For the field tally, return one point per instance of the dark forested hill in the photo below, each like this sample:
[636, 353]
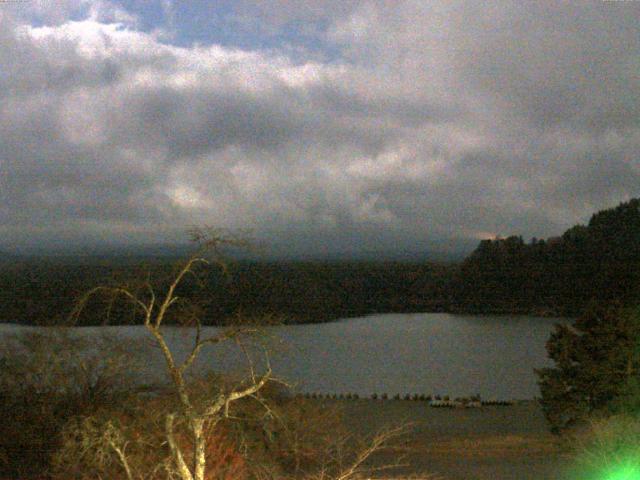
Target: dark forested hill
[559, 276]
[296, 292]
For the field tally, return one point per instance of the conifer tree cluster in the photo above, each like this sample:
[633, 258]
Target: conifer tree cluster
[558, 276]
[597, 365]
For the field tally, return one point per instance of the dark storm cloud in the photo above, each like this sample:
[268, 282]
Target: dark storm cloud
[198, 121]
[436, 121]
[559, 63]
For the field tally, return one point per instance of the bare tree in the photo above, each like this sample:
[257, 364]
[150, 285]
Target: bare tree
[198, 415]
[200, 411]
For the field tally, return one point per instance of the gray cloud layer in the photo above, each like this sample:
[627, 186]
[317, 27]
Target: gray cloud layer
[439, 120]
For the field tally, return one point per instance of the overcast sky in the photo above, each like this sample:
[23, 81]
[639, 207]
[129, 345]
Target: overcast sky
[322, 126]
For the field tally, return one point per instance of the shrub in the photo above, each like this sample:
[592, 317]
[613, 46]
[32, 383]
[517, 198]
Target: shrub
[48, 376]
[130, 436]
[296, 438]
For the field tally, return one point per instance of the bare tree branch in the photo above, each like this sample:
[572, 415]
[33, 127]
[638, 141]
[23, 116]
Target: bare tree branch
[378, 442]
[194, 413]
[228, 334]
[170, 298]
[82, 302]
[176, 452]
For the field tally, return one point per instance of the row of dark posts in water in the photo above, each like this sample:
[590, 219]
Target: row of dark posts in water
[433, 400]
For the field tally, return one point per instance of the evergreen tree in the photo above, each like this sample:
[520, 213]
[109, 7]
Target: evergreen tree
[597, 364]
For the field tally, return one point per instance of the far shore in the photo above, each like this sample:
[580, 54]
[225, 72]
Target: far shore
[292, 320]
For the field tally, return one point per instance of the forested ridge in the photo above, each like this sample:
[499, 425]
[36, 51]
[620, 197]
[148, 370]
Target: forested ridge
[293, 292]
[597, 262]
[594, 263]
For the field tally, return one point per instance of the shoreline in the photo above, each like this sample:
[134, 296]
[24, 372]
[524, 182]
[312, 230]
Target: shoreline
[497, 443]
[330, 319]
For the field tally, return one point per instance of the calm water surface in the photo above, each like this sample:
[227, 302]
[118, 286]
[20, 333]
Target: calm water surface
[430, 353]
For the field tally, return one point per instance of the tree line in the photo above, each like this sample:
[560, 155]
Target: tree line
[295, 292]
[561, 276]
[558, 276]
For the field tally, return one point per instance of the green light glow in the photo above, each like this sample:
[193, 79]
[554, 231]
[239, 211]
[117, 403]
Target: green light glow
[629, 471]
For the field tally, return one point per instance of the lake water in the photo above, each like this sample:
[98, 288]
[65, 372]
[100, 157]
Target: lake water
[427, 353]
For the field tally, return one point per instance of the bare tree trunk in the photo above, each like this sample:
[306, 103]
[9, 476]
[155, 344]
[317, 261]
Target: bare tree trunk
[199, 457]
[176, 453]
